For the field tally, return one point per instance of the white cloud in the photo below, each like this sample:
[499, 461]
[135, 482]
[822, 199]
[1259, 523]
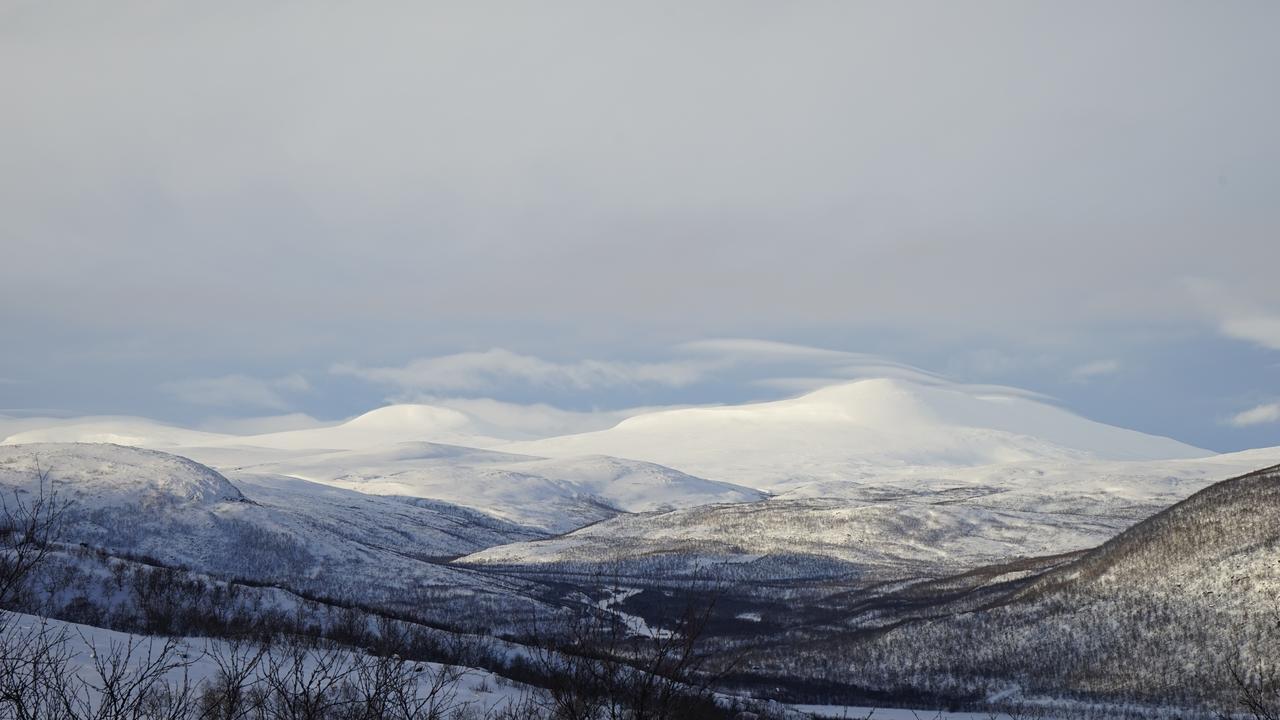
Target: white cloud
[483, 371]
[766, 350]
[237, 391]
[836, 365]
[1259, 328]
[785, 367]
[1095, 369]
[797, 385]
[1235, 315]
[1265, 413]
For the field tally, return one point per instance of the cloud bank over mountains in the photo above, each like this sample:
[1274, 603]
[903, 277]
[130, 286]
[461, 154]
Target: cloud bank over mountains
[197, 204]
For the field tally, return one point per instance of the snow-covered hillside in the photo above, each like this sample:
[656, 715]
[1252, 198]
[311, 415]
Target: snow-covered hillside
[907, 538]
[386, 452]
[311, 538]
[858, 430]
[112, 476]
[134, 431]
[140, 667]
[1164, 612]
[909, 521]
[878, 475]
[553, 495]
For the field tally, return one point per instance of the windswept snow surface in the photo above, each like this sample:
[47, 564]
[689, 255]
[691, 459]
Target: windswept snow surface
[857, 431]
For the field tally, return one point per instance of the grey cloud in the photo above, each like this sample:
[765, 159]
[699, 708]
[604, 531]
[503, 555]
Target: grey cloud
[946, 167]
[237, 391]
[1258, 415]
[1095, 369]
[262, 425]
[491, 369]
[268, 186]
[1238, 316]
[1261, 329]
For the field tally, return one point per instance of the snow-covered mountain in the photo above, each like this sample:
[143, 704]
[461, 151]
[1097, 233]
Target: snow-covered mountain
[881, 474]
[383, 426]
[908, 522]
[118, 430]
[814, 505]
[311, 538]
[858, 430]
[387, 452]
[551, 495]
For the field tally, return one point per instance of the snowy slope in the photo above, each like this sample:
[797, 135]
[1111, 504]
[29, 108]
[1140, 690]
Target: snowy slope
[111, 476]
[311, 538]
[383, 426]
[138, 432]
[554, 495]
[857, 430]
[1162, 613]
[916, 521]
[926, 536]
[472, 691]
[412, 451]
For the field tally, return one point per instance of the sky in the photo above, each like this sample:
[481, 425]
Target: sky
[218, 211]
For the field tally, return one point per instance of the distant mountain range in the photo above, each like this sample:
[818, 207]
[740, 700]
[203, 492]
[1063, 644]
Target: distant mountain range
[895, 539]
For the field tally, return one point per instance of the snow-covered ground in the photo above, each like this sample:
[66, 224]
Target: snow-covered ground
[470, 690]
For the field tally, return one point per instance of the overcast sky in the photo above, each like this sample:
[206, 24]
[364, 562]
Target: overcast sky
[233, 209]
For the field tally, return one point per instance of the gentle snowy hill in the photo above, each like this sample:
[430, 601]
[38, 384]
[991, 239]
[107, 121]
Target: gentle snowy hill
[111, 476]
[412, 451]
[554, 495]
[138, 432]
[383, 426]
[791, 539]
[857, 430]
[310, 538]
[915, 521]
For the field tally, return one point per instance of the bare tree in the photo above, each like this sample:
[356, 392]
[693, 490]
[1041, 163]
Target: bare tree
[1256, 692]
[36, 680]
[28, 528]
[134, 679]
[235, 690]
